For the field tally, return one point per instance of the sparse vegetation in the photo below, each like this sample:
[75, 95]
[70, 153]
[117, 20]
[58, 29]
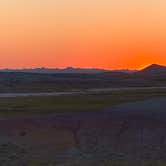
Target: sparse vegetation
[72, 103]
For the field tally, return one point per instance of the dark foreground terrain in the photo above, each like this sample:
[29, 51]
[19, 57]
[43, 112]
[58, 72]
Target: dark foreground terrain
[76, 119]
[126, 134]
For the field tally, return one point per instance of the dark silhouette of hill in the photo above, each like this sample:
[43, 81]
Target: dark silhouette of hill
[152, 75]
[153, 69]
[70, 79]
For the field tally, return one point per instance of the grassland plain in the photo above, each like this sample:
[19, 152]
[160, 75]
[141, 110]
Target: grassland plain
[72, 103]
[16, 154]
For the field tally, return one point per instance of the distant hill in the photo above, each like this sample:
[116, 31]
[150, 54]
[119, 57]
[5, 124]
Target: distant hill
[43, 79]
[153, 70]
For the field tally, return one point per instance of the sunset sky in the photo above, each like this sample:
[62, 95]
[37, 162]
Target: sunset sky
[109, 34]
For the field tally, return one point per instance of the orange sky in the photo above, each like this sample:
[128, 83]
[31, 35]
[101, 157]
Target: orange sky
[82, 33]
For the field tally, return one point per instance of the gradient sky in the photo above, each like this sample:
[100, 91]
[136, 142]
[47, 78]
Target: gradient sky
[82, 33]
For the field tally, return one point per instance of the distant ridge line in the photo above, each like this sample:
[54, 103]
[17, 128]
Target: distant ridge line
[151, 69]
[65, 70]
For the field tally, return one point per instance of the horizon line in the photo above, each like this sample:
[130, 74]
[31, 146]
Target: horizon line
[63, 68]
[83, 68]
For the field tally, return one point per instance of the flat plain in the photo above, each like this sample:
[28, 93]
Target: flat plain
[83, 129]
